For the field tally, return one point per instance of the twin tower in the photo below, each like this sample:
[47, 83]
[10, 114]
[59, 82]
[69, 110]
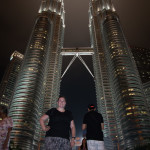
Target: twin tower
[120, 96]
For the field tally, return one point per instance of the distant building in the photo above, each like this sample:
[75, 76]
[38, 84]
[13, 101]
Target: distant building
[147, 92]
[9, 79]
[142, 59]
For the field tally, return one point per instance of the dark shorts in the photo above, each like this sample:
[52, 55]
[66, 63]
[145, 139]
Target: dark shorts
[56, 143]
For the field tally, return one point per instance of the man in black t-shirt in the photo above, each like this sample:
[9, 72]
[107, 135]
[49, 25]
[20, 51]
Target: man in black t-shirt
[93, 124]
[58, 129]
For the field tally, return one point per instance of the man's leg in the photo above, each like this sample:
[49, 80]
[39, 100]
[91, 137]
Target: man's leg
[95, 145]
[100, 145]
[91, 145]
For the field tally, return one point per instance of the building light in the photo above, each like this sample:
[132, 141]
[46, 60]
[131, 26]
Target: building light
[129, 113]
[128, 108]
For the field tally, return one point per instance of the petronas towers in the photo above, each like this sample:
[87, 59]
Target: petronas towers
[119, 91]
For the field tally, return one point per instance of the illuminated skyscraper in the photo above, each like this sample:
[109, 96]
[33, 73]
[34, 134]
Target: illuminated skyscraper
[9, 80]
[37, 87]
[120, 94]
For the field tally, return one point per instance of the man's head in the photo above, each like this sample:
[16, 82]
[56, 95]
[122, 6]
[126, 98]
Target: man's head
[61, 102]
[91, 107]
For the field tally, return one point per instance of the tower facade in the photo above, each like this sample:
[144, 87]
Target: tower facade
[37, 87]
[120, 94]
[9, 80]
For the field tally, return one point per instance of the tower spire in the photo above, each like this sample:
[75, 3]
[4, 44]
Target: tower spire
[110, 5]
[52, 6]
[105, 4]
[42, 7]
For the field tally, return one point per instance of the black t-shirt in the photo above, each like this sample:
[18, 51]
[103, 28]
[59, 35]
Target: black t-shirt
[93, 121]
[59, 123]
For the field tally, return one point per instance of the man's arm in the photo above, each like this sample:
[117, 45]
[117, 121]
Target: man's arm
[42, 122]
[84, 126]
[73, 133]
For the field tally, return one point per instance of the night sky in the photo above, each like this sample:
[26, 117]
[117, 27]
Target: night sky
[17, 18]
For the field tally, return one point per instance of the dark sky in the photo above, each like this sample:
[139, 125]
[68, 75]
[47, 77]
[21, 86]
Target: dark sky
[17, 18]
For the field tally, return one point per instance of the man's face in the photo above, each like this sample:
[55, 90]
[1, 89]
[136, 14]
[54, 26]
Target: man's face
[61, 102]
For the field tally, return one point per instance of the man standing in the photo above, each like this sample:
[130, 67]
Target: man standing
[58, 129]
[93, 123]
